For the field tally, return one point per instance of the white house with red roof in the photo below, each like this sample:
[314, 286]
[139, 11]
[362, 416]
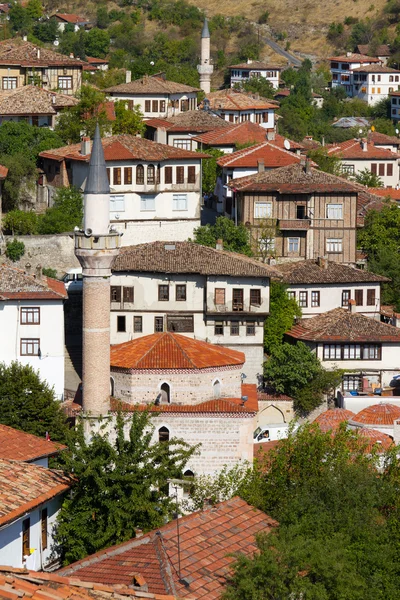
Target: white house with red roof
[342, 68]
[155, 188]
[32, 323]
[64, 19]
[372, 83]
[243, 72]
[25, 447]
[237, 107]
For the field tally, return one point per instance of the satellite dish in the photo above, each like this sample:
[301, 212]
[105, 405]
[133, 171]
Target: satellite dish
[360, 131]
[152, 63]
[286, 143]
[56, 43]
[397, 132]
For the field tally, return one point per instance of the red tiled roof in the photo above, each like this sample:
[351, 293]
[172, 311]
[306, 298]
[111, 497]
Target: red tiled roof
[3, 172]
[269, 393]
[96, 61]
[24, 486]
[20, 583]
[70, 18]
[272, 155]
[355, 58]
[16, 284]
[325, 271]
[18, 52]
[218, 406]
[151, 85]
[241, 133]
[379, 139]
[195, 121]
[392, 193]
[377, 414]
[255, 64]
[18, 445]
[375, 69]
[331, 419]
[376, 440]
[229, 99]
[340, 325]
[352, 149]
[125, 147]
[389, 311]
[207, 540]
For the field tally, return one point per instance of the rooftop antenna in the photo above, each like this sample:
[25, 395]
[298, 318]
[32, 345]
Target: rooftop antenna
[175, 484]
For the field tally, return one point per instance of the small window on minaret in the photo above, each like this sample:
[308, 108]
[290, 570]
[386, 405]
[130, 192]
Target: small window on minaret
[121, 323]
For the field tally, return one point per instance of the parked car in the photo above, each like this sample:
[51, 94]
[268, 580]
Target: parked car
[73, 280]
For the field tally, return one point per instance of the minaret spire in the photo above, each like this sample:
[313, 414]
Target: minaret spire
[96, 247]
[205, 68]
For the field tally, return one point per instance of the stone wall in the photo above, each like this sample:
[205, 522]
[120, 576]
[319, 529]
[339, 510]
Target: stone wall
[274, 411]
[50, 251]
[186, 386]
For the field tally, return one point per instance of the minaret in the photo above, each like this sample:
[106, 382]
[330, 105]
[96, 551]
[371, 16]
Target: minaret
[95, 247]
[205, 68]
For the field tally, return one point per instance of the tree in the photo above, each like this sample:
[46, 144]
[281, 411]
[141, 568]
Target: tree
[19, 18]
[20, 222]
[235, 238]
[84, 116]
[34, 9]
[121, 485]
[365, 177]
[28, 403]
[46, 31]
[65, 214]
[15, 250]
[26, 140]
[211, 171]
[128, 120]
[326, 162]
[258, 86]
[283, 311]
[97, 43]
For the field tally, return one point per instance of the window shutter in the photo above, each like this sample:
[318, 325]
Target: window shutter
[371, 297]
[191, 174]
[180, 175]
[168, 174]
[115, 291]
[128, 294]
[358, 296]
[147, 106]
[389, 170]
[374, 170]
[381, 169]
[219, 296]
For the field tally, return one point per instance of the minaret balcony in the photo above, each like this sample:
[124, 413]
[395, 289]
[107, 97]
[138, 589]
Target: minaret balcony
[205, 69]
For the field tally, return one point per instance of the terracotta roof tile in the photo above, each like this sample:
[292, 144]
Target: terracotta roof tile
[23, 486]
[375, 69]
[70, 18]
[219, 406]
[378, 138]
[352, 149]
[377, 414]
[355, 58]
[376, 440]
[340, 325]
[32, 100]
[3, 172]
[228, 99]
[197, 121]
[18, 445]
[18, 52]
[16, 284]
[188, 257]
[207, 539]
[125, 147]
[255, 64]
[392, 193]
[331, 419]
[172, 351]
[325, 271]
[243, 133]
[272, 155]
[151, 85]
[269, 393]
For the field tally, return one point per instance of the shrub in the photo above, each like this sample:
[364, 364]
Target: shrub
[15, 250]
[20, 222]
[263, 18]
[49, 272]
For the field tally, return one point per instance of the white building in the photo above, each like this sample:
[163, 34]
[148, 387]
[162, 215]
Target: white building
[207, 294]
[243, 72]
[155, 188]
[32, 323]
[155, 95]
[358, 155]
[343, 66]
[322, 285]
[395, 105]
[64, 19]
[237, 107]
[374, 82]
[368, 350]
[30, 499]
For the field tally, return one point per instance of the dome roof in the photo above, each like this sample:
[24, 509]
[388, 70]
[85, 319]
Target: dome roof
[381, 441]
[377, 414]
[331, 419]
[172, 351]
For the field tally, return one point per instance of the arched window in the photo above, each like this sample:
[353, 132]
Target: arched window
[217, 388]
[390, 78]
[140, 175]
[188, 477]
[165, 393]
[112, 386]
[151, 177]
[163, 434]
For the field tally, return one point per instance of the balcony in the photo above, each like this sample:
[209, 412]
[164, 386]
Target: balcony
[294, 224]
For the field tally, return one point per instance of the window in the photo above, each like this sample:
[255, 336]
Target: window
[255, 297]
[219, 296]
[390, 78]
[188, 487]
[371, 297]
[154, 106]
[351, 351]
[43, 527]
[117, 176]
[180, 175]
[9, 83]
[237, 299]
[389, 170]
[352, 382]
[250, 328]
[262, 210]
[26, 526]
[373, 90]
[334, 211]
[184, 105]
[115, 293]
[191, 175]
[180, 323]
[163, 293]
[35, 120]
[381, 169]
[315, 299]
[180, 293]
[65, 83]
[293, 244]
[30, 316]
[179, 202]
[127, 175]
[147, 203]
[396, 78]
[333, 245]
[168, 174]
[358, 297]
[121, 323]
[140, 175]
[374, 168]
[332, 352]
[371, 352]
[30, 347]
[349, 169]
[162, 105]
[234, 327]
[137, 324]
[128, 294]
[147, 106]
[346, 295]
[217, 389]
[291, 295]
[151, 175]
[219, 328]
[165, 393]
[117, 203]
[303, 299]
[300, 211]
[163, 434]
[158, 324]
[183, 144]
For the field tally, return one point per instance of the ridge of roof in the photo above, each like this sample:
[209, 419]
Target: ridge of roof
[19, 445]
[16, 283]
[353, 149]
[151, 84]
[243, 157]
[354, 57]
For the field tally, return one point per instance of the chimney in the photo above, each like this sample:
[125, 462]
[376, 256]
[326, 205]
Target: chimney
[28, 267]
[38, 52]
[128, 76]
[308, 166]
[261, 165]
[352, 306]
[364, 145]
[85, 146]
[322, 262]
[39, 274]
[348, 54]
[71, 55]
[219, 245]
[249, 61]
[271, 134]
[139, 582]
[25, 38]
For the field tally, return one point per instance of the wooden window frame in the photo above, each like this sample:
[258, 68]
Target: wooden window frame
[255, 297]
[151, 174]
[43, 527]
[27, 310]
[389, 170]
[381, 169]
[26, 535]
[139, 175]
[157, 327]
[147, 106]
[162, 288]
[137, 324]
[371, 297]
[346, 296]
[154, 106]
[162, 105]
[217, 292]
[180, 175]
[315, 299]
[117, 176]
[359, 297]
[180, 292]
[250, 328]
[115, 293]
[127, 175]
[168, 175]
[29, 342]
[238, 299]
[303, 299]
[191, 174]
[235, 328]
[219, 328]
[128, 294]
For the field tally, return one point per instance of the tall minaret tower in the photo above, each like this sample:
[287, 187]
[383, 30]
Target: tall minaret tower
[95, 247]
[205, 68]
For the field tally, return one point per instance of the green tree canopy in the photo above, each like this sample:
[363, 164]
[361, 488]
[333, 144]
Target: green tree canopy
[282, 314]
[236, 238]
[65, 214]
[121, 485]
[326, 162]
[365, 177]
[84, 116]
[127, 120]
[28, 403]
[97, 43]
